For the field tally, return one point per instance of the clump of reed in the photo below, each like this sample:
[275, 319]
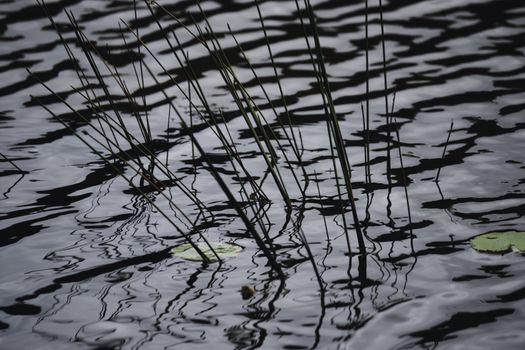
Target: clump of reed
[116, 127]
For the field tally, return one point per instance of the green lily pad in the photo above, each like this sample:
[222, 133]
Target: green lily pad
[223, 250]
[499, 242]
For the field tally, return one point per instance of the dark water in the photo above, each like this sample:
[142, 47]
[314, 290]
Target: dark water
[84, 260]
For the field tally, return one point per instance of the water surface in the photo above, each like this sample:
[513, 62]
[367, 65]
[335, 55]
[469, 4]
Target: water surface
[85, 261]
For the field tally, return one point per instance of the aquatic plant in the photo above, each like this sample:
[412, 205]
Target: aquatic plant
[499, 242]
[133, 152]
[222, 250]
[200, 136]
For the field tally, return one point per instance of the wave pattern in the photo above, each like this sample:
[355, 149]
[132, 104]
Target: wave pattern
[85, 259]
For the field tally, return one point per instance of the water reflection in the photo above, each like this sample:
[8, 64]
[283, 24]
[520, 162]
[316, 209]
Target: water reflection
[106, 279]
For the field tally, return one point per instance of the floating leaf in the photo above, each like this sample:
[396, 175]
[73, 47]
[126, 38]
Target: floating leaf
[247, 292]
[223, 250]
[499, 242]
